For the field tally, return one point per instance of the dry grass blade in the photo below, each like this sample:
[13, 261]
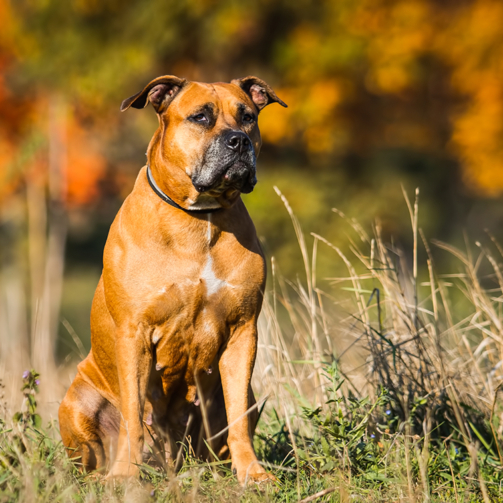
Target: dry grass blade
[318, 495]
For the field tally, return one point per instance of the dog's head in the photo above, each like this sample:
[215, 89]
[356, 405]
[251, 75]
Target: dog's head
[208, 131]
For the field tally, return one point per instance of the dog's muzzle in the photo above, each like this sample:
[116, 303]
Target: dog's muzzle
[229, 162]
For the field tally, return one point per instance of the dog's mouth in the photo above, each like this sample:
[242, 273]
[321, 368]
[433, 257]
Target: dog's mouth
[238, 174]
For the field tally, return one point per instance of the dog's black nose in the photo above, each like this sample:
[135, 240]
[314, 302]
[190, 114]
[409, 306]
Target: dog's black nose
[237, 141]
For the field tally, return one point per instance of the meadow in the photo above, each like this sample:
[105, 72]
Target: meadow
[384, 386]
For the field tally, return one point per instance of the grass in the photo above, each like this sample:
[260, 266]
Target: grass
[383, 386]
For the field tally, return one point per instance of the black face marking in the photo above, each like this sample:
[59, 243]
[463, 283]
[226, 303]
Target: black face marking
[204, 115]
[225, 167]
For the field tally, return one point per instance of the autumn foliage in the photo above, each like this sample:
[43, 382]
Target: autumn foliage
[361, 75]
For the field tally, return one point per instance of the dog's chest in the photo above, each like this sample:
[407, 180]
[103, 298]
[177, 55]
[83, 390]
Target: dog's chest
[202, 306]
[194, 311]
[213, 270]
[195, 318]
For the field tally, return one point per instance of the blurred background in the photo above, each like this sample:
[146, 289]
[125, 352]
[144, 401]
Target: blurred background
[381, 93]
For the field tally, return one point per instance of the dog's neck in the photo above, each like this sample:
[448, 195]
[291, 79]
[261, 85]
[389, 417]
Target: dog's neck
[200, 207]
[178, 187]
[181, 191]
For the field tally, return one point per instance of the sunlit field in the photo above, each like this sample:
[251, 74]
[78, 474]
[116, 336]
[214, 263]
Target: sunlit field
[385, 389]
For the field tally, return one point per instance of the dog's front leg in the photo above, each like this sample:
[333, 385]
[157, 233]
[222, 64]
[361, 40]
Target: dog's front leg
[236, 367]
[134, 360]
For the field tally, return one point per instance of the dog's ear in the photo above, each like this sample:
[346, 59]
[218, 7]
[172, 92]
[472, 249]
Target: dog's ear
[160, 92]
[259, 91]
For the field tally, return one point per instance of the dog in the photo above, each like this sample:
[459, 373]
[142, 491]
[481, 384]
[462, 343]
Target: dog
[174, 316]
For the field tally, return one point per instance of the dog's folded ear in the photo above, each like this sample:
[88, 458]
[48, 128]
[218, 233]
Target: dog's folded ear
[259, 91]
[160, 92]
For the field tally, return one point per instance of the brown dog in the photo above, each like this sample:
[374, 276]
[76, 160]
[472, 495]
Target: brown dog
[174, 316]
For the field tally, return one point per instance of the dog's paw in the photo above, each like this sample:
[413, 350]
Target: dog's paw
[262, 479]
[255, 474]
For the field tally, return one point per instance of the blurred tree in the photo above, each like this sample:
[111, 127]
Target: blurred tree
[358, 75]
[380, 92]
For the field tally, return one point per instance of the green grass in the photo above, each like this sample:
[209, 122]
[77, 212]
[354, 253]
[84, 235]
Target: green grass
[383, 387]
[357, 450]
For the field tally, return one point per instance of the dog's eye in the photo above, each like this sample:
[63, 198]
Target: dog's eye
[199, 118]
[248, 118]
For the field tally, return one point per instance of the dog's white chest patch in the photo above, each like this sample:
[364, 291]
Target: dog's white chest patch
[213, 284]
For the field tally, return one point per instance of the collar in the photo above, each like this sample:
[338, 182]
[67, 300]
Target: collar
[170, 201]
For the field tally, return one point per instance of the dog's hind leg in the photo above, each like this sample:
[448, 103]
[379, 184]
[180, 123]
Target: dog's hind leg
[89, 425]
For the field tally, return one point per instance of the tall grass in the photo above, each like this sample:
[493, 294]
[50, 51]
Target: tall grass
[427, 350]
[381, 385]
